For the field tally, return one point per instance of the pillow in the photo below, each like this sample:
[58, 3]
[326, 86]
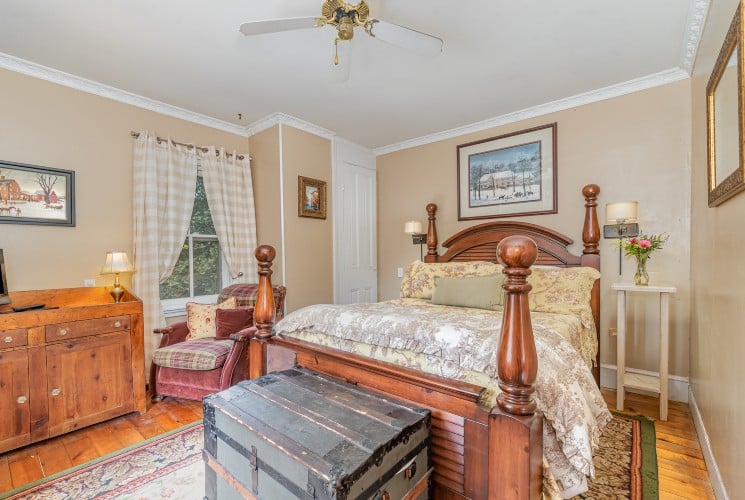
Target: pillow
[561, 289]
[419, 279]
[230, 321]
[480, 292]
[200, 318]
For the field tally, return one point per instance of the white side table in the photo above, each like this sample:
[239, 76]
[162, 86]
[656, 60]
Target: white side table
[635, 380]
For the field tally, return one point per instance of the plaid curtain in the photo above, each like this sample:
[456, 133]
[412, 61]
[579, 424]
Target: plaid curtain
[165, 179]
[230, 195]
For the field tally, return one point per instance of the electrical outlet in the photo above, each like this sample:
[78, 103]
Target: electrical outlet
[89, 282]
[399, 272]
[612, 331]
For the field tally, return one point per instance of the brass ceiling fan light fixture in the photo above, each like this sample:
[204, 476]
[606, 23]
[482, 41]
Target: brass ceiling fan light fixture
[345, 17]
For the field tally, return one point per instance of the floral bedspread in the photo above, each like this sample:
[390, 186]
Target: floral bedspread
[461, 343]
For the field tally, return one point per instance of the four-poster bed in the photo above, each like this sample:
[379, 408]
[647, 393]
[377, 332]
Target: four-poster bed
[479, 451]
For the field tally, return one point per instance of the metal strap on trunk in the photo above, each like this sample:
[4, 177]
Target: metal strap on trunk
[256, 464]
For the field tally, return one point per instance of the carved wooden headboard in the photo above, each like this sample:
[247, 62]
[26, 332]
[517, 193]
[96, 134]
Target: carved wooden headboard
[480, 243]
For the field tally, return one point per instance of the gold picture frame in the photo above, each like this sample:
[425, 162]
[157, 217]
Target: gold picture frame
[311, 198]
[725, 105]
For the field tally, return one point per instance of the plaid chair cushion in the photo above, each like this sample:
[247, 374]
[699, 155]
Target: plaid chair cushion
[245, 294]
[202, 354]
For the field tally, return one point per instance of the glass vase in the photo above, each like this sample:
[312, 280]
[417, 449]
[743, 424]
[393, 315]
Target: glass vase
[641, 277]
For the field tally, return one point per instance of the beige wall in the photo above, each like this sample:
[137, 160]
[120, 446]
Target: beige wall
[264, 148]
[309, 242]
[635, 147]
[717, 274]
[55, 126]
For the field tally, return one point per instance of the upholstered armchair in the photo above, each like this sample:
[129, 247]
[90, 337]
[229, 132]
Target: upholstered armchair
[192, 369]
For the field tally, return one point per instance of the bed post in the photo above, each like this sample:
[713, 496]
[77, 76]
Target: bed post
[264, 313]
[431, 234]
[591, 258]
[515, 428]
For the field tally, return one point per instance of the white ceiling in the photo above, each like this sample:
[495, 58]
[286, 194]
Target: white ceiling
[499, 57]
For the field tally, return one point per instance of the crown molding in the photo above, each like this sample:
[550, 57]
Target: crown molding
[66, 79]
[285, 119]
[697, 13]
[646, 82]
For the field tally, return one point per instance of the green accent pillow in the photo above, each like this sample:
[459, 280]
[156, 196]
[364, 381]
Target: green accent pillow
[480, 292]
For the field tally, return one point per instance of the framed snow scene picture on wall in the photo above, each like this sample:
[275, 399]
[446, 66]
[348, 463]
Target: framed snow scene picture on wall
[510, 175]
[36, 195]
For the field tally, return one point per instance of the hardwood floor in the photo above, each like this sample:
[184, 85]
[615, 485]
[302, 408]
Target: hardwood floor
[682, 470]
[48, 457]
[681, 466]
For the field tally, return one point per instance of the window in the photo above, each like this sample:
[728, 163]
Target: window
[200, 271]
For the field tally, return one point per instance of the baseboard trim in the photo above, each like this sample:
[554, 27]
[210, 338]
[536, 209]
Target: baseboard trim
[717, 484]
[677, 385]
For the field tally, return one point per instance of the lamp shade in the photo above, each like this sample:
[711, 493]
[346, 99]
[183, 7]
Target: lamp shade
[116, 262]
[622, 212]
[413, 227]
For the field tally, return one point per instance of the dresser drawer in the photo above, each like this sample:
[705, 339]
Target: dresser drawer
[13, 338]
[76, 329]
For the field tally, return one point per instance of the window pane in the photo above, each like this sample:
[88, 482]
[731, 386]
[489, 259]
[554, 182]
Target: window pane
[177, 284]
[207, 270]
[201, 220]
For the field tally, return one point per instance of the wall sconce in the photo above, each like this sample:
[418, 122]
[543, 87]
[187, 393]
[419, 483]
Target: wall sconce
[117, 262]
[621, 222]
[414, 228]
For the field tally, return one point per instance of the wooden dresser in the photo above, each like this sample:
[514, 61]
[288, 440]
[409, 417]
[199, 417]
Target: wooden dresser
[68, 367]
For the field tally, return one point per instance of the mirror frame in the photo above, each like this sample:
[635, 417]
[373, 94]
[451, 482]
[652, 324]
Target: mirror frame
[735, 182]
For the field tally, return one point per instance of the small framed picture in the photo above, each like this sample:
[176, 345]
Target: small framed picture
[311, 198]
[36, 195]
[507, 176]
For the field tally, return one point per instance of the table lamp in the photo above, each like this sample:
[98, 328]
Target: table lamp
[117, 262]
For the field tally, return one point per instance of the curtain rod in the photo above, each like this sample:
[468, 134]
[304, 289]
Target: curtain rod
[200, 148]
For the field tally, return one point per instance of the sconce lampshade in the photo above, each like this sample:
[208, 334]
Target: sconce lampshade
[624, 212]
[116, 262]
[413, 227]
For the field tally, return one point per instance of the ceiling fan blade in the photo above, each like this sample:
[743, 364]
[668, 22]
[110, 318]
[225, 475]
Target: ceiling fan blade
[275, 25]
[407, 38]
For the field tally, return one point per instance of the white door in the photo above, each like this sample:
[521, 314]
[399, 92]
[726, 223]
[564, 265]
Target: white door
[355, 219]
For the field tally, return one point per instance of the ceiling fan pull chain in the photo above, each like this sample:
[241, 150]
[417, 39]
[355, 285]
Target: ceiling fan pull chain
[336, 51]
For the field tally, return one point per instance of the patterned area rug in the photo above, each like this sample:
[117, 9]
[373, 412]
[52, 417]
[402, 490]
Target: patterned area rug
[626, 461]
[167, 466]
[170, 466]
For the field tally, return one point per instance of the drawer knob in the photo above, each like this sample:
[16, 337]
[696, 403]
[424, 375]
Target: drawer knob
[56, 391]
[8, 339]
[63, 331]
[117, 324]
[21, 399]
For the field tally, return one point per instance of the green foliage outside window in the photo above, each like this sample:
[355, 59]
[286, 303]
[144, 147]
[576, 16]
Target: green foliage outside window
[206, 255]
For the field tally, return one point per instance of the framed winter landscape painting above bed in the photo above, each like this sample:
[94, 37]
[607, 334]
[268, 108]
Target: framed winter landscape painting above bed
[509, 175]
[36, 195]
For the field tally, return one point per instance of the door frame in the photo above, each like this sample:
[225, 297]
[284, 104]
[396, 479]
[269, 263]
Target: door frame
[344, 149]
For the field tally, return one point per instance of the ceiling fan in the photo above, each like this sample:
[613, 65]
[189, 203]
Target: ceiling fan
[345, 17]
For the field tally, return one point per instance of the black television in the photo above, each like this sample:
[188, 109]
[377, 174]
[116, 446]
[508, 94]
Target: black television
[4, 298]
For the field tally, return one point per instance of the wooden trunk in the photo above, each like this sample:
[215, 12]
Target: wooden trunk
[299, 434]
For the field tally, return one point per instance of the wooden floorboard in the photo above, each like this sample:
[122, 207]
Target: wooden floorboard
[680, 464]
[682, 470]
